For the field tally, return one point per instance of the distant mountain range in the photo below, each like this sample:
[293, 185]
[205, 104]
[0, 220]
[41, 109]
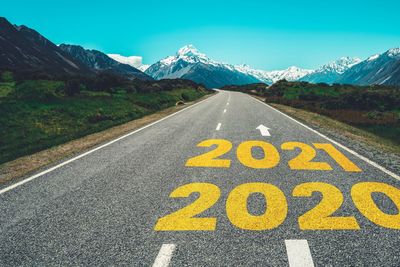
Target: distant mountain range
[331, 72]
[292, 73]
[189, 63]
[25, 50]
[377, 69]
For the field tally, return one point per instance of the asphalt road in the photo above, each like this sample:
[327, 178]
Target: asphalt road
[104, 208]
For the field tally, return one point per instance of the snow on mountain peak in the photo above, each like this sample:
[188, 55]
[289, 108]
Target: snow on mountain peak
[190, 54]
[188, 50]
[373, 57]
[394, 53]
[290, 74]
[340, 65]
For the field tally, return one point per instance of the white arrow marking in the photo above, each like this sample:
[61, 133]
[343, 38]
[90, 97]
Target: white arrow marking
[264, 130]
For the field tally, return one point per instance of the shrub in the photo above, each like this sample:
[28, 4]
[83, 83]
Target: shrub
[185, 97]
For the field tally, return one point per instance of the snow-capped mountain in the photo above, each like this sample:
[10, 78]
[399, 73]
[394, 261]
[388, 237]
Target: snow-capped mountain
[143, 67]
[189, 63]
[290, 74]
[377, 69]
[261, 75]
[331, 72]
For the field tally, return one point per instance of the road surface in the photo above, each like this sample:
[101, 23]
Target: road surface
[247, 203]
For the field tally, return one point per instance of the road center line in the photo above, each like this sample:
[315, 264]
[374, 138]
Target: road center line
[218, 127]
[224, 110]
[164, 255]
[299, 254]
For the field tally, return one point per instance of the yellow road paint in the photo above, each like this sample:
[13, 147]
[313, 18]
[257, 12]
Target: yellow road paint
[275, 214]
[319, 218]
[182, 220]
[362, 198]
[338, 156]
[304, 160]
[271, 155]
[209, 159]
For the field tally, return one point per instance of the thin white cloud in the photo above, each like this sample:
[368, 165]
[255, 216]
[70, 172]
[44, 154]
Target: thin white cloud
[134, 61]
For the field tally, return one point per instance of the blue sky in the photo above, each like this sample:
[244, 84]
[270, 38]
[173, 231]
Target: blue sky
[264, 34]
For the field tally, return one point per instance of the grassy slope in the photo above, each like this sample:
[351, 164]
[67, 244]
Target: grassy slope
[374, 109]
[371, 109]
[344, 129]
[28, 126]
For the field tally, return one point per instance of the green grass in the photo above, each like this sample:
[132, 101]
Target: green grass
[32, 124]
[389, 132]
[295, 92]
[6, 88]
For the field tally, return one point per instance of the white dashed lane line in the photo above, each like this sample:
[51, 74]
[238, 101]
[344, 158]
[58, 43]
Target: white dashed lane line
[218, 127]
[298, 253]
[164, 256]
[224, 110]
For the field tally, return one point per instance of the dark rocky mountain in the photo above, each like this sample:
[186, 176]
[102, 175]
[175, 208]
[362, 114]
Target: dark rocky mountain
[99, 61]
[189, 63]
[377, 69]
[24, 49]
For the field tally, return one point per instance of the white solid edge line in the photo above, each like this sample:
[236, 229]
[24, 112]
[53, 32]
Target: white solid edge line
[164, 256]
[376, 165]
[298, 253]
[8, 188]
[218, 127]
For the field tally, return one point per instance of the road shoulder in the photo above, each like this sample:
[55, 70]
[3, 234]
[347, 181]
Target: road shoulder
[26, 165]
[367, 144]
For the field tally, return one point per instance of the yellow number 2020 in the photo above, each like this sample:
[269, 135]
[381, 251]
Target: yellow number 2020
[274, 215]
[182, 220]
[361, 194]
[319, 218]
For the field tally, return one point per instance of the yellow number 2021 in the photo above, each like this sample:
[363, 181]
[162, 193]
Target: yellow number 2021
[209, 159]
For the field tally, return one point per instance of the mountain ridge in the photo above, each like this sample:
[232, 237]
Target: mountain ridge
[99, 61]
[189, 63]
